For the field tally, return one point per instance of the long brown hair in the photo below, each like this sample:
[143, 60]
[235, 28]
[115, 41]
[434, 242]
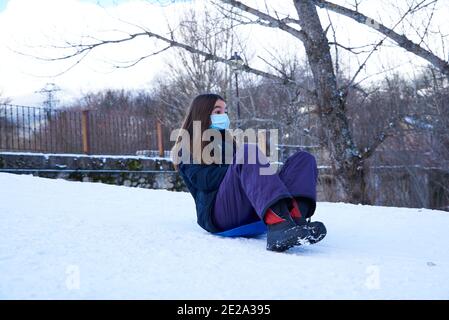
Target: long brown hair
[199, 110]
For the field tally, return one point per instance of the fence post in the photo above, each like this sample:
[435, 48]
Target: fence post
[160, 144]
[85, 131]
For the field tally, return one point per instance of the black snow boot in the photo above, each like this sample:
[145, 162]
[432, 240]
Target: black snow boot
[300, 211]
[283, 232]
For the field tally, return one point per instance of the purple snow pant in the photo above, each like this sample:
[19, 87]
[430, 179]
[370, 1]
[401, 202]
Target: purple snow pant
[244, 194]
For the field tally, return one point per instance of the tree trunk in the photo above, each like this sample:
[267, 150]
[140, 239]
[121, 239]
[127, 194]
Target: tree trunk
[346, 160]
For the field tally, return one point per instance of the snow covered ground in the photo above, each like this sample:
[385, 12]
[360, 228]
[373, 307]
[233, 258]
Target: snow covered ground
[68, 240]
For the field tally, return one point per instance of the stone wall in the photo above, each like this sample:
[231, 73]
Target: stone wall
[388, 186]
[142, 172]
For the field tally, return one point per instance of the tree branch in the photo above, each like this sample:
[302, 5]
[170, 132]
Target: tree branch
[353, 49]
[83, 49]
[272, 21]
[401, 40]
[389, 130]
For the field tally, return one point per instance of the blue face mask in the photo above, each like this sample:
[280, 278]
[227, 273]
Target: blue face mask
[219, 121]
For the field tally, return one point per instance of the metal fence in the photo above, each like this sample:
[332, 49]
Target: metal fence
[32, 129]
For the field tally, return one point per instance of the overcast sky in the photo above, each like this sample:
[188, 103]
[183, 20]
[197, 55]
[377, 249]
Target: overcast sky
[33, 26]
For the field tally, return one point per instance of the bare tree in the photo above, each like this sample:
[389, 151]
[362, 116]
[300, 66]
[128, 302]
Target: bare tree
[347, 157]
[400, 39]
[189, 73]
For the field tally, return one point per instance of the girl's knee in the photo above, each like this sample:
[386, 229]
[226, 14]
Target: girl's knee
[307, 156]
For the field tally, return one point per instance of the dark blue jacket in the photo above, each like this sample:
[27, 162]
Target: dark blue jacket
[203, 181]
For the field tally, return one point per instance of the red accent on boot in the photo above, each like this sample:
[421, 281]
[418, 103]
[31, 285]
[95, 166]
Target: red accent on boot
[295, 212]
[272, 218]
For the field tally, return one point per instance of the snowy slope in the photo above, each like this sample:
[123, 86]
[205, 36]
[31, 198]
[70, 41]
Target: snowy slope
[64, 240]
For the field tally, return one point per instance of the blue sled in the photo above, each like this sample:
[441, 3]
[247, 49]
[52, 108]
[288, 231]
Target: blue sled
[247, 230]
